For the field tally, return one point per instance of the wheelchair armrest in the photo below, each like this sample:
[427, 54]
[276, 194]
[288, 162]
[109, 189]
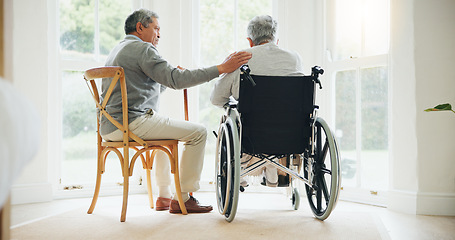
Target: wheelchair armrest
[231, 104]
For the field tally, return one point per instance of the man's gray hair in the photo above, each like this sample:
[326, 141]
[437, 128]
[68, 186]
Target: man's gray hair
[143, 16]
[262, 29]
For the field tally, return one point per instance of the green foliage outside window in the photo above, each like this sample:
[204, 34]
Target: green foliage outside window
[77, 40]
[374, 103]
[220, 37]
[78, 25]
[373, 108]
[78, 106]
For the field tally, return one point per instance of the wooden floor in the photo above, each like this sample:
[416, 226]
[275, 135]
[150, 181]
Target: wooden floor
[389, 224]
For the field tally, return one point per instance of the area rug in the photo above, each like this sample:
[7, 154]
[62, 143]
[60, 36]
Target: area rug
[251, 222]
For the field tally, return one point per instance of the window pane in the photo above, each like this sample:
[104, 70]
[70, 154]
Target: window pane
[358, 28]
[217, 40]
[79, 126]
[374, 104]
[216, 26]
[246, 11]
[348, 29]
[77, 29]
[217, 34]
[79, 164]
[376, 27]
[112, 22]
[345, 83]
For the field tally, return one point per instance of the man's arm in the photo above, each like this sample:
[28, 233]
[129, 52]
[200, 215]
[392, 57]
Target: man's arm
[224, 88]
[159, 70]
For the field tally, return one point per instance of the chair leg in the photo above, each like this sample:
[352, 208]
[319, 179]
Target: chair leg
[97, 190]
[178, 189]
[126, 182]
[149, 188]
[125, 197]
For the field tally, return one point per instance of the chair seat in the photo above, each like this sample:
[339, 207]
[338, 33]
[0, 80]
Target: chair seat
[160, 142]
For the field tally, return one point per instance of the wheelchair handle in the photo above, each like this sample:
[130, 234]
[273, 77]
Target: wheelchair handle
[245, 69]
[315, 71]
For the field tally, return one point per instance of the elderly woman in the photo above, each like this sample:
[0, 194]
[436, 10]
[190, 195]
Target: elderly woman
[269, 60]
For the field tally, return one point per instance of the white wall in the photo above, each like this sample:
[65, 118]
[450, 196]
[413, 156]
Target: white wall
[423, 158]
[403, 165]
[435, 83]
[30, 74]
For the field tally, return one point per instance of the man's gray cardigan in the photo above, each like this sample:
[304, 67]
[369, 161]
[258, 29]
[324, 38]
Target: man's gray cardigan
[147, 74]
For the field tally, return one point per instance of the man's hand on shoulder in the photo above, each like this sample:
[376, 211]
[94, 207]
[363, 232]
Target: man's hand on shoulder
[234, 61]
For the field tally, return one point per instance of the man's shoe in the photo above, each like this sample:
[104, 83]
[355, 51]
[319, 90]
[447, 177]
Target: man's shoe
[162, 203]
[192, 206]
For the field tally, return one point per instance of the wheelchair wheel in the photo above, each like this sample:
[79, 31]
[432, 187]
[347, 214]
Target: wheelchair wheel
[295, 199]
[326, 172]
[228, 169]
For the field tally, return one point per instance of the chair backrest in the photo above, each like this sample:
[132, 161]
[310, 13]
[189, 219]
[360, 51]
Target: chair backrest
[275, 113]
[118, 76]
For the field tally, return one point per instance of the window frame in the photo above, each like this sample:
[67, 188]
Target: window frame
[57, 65]
[357, 193]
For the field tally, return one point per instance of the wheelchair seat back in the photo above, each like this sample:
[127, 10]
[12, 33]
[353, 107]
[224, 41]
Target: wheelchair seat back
[275, 114]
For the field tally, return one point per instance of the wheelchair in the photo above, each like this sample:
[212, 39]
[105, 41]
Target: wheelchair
[276, 118]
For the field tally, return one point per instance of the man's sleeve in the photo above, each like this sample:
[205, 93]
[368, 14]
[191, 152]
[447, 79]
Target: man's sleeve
[224, 88]
[160, 71]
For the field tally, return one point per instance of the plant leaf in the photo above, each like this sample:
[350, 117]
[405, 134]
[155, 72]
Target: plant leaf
[440, 107]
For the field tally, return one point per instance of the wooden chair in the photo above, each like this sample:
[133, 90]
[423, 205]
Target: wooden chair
[146, 150]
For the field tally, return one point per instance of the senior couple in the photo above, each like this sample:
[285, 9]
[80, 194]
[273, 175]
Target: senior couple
[148, 74]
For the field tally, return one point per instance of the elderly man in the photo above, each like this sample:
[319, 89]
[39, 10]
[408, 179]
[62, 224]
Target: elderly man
[268, 59]
[147, 75]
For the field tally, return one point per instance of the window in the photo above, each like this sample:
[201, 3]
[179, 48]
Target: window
[357, 47]
[87, 31]
[358, 28]
[222, 31]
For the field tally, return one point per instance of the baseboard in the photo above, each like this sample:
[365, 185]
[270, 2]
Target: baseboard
[422, 203]
[376, 198]
[31, 193]
[402, 201]
[441, 204]
[106, 190]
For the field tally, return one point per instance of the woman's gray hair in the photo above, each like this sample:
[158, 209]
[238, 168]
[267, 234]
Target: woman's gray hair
[143, 16]
[262, 29]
